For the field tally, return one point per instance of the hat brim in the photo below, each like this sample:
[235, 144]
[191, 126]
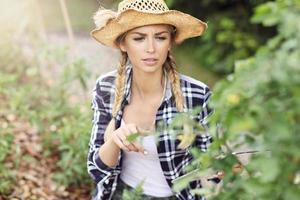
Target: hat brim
[186, 25]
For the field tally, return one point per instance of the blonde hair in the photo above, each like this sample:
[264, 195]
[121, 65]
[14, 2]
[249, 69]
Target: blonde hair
[174, 78]
[119, 93]
[173, 74]
[120, 83]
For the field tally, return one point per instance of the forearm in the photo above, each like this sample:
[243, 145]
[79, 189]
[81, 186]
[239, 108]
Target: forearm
[109, 153]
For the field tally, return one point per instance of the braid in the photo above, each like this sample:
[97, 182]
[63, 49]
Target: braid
[119, 94]
[120, 84]
[175, 81]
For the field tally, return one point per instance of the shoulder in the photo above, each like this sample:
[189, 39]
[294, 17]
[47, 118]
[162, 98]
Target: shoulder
[106, 80]
[196, 92]
[192, 84]
[105, 85]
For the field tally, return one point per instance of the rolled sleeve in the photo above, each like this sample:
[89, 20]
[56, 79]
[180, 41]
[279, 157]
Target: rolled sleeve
[101, 117]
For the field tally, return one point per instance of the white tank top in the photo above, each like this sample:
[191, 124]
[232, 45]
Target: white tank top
[138, 167]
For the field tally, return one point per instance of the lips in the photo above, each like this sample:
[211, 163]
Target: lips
[150, 61]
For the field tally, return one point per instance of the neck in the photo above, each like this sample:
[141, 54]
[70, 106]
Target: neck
[147, 84]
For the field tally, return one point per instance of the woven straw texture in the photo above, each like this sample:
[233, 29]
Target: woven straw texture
[136, 13]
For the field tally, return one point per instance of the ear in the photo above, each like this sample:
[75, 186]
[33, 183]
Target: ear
[170, 47]
[122, 47]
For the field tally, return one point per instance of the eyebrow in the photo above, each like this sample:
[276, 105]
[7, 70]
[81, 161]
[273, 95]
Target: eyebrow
[144, 34]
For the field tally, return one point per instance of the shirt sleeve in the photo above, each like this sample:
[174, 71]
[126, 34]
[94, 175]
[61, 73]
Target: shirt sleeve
[203, 139]
[101, 117]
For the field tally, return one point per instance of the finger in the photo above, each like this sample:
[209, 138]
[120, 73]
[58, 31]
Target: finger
[139, 147]
[121, 145]
[131, 147]
[127, 132]
[124, 133]
[123, 138]
[119, 139]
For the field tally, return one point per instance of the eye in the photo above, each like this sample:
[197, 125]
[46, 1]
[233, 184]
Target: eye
[138, 38]
[161, 38]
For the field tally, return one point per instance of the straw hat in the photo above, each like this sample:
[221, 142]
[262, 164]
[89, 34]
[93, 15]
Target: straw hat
[135, 13]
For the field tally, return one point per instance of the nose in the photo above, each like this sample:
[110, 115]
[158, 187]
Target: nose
[150, 46]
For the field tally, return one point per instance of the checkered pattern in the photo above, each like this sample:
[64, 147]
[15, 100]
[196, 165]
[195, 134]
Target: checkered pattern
[172, 159]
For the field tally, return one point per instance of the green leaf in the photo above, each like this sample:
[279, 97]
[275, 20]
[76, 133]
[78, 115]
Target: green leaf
[132, 137]
[181, 182]
[267, 14]
[269, 169]
[201, 191]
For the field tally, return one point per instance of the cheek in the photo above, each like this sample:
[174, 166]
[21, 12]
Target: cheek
[132, 51]
[134, 54]
[163, 49]
[164, 46]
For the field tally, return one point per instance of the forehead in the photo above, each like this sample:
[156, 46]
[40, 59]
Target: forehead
[151, 28]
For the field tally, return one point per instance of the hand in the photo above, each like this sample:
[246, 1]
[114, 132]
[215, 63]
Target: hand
[119, 137]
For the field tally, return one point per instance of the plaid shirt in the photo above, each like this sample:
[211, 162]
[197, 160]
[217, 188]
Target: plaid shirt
[172, 159]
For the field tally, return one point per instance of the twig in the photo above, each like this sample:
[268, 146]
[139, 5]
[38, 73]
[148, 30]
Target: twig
[67, 22]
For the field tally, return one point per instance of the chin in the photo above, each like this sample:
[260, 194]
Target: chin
[150, 69]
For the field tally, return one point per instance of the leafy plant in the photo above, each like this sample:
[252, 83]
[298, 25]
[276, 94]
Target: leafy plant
[64, 125]
[6, 175]
[257, 107]
[134, 194]
[230, 35]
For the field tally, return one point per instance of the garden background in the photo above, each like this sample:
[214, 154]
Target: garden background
[249, 56]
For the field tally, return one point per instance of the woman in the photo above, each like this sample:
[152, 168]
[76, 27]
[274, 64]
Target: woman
[145, 90]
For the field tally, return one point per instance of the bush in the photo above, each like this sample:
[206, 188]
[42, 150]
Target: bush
[62, 122]
[230, 35]
[258, 106]
[6, 175]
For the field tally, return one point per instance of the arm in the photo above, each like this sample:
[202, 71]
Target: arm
[110, 150]
[104, 157]
[109, 153]
[97, 169]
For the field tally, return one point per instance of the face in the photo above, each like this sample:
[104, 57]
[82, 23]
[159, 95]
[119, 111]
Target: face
[147, 47]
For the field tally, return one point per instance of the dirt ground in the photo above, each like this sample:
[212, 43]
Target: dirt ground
[34, 173]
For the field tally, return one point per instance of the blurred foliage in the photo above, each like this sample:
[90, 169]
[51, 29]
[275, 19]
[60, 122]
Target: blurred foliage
[230, 35]
[81, 21]
[47, 15]
[8, 76]
[133, 194]
[259, 106]
[48, 103]
[190, 67]
[6, 175]
[68, 121]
